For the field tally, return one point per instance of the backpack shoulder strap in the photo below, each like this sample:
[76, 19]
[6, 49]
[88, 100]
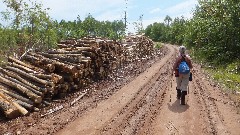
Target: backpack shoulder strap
[183, 58]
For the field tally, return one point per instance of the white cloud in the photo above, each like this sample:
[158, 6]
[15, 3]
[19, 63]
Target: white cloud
[72, 8]
[110, 16]
[156, 10]
[183, 7]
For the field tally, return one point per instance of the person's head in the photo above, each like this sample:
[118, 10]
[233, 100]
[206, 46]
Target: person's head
[182, 49]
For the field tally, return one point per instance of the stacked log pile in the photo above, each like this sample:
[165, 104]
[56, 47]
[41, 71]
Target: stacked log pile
[32, 82]
[137, 47]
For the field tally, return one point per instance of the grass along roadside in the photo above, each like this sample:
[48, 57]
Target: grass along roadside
[228, 79]
[226, 76]
[158, 45]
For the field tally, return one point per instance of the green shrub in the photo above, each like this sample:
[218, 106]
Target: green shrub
[158, 45]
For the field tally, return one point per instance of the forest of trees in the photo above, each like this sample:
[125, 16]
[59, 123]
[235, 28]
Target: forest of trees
[29, 26]
[213, 34]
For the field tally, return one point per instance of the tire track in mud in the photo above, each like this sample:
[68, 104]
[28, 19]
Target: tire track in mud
[144, 107]
[209, 110]
[215, 110]
[174, 118]
[92, 122]
[98, 92]
[136, 117]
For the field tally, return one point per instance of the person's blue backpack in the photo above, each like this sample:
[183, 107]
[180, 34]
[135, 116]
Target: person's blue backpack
[183, 67]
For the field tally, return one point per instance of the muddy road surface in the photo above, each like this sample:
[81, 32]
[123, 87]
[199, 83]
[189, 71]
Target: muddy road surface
[142, 100]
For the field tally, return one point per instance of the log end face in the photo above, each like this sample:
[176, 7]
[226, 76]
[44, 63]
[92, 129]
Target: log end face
[12, 113]
[38, 100]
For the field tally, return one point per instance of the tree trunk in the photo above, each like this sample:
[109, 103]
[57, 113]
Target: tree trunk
[26, 69]
[16, 96]
[24, 85]
[11, 59]
[21, 109]
[25, 105]
[30, 94]
[44, 82]
[26, 82]
[9, 110]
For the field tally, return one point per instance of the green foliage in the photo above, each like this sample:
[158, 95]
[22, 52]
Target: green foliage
[30, 27]
[171, 32]
[177, 31]
[156, 31]
[89, 27]
[214, 31]
[213, 35]
[168, 20]
[228, 76]
[158, 45]
[139, 25]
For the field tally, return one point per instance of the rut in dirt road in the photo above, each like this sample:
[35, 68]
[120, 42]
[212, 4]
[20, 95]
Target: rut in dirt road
[137, 115]
[148, 105]
[107, 110]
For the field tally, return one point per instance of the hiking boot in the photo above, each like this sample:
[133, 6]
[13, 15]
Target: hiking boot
[183, 100]
[183, 97]
[178, 93]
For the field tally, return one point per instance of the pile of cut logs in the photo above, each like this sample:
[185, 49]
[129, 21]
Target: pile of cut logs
[30, 83]
[137, 47]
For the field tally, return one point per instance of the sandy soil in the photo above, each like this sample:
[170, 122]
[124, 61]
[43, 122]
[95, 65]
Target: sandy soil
[138, 99]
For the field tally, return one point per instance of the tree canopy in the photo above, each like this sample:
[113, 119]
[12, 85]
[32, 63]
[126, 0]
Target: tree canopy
[29, 26]
[213, 32]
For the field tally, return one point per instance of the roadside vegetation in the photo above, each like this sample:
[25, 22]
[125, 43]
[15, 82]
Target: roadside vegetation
[26, 25]
[158, 45]
[212, 36]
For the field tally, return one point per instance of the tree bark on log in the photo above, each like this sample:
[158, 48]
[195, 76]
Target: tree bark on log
[30, 94]
[26, 69]
[9, 110]
[24, 85]
[70, 51]
[11, 59]
[44, 82]
[21, 109]
[25, 105]
[55, 78]
[16, 96]
[63, 58]
[59, 66]
[38, 62]
[26, 82]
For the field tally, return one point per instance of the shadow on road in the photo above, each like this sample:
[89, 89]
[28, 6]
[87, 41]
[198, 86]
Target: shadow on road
[177, 108]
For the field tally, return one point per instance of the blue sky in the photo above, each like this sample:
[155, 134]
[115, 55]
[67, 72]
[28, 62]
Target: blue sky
[152, 10]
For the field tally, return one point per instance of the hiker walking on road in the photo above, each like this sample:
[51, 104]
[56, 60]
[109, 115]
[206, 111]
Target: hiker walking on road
[181, 69]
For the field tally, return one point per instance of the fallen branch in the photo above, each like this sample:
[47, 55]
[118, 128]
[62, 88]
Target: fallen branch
[53, 110]
[75, 100]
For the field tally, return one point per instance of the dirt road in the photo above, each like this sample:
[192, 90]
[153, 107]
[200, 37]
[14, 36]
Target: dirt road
[147, 105]
[143, 102]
